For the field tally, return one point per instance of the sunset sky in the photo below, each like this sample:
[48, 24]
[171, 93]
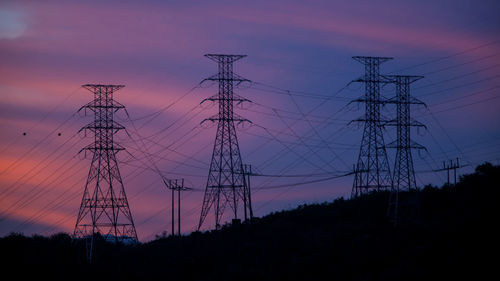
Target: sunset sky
[300, 61]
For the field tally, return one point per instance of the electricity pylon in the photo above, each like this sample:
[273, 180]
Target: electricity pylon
[407, 207]
[226, 182]
[372, 172]
[104, 208]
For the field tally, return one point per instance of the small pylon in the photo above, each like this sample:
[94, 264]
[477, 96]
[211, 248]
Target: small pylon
[451, 165]
[176, 185]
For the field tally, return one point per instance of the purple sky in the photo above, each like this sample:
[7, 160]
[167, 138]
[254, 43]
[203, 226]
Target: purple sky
[48, 49]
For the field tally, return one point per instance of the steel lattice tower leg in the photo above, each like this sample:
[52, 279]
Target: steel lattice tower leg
[372, 172]
[104, 208]
[226, 182]
[404, 173]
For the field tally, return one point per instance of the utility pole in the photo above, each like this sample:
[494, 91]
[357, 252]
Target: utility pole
[226, 182]
[455, 167]
[176, 185]
[104, 208]
[448, 166]
[372, 172]
[404, 173]
[247, 194]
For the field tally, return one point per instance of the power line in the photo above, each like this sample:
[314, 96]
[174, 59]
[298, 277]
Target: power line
[39, 121]
[332, 122]
[347, 146]
[34, 197]
[157, 113]
[459, 76]
[291, 165]
[447, 57]
[11, 188]
[466, 105]
[461, 64]
[316, 132]
[465, 96]
[36, 145]
[303, 143]
[306, 182]
[286, 92]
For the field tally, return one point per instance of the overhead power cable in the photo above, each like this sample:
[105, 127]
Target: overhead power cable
[447, 57]
[306, 182]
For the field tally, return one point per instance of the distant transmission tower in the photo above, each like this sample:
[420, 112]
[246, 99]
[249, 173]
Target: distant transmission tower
[104, 208]
[226, 182]
[372, 172]
[404, 174]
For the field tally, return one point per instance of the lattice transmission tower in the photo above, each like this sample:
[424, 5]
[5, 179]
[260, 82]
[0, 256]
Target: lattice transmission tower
[406, 207]
[226, 183]
[372, 172]
[104, 208]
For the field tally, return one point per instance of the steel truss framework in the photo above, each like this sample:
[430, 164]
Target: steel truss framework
[372, 172]
[104, 208]
[404, 174]
[226, 184]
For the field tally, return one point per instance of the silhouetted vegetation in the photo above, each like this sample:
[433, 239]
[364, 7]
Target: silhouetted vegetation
[341, 240]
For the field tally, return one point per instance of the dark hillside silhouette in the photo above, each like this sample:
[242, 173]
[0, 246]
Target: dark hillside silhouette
[341, 240]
